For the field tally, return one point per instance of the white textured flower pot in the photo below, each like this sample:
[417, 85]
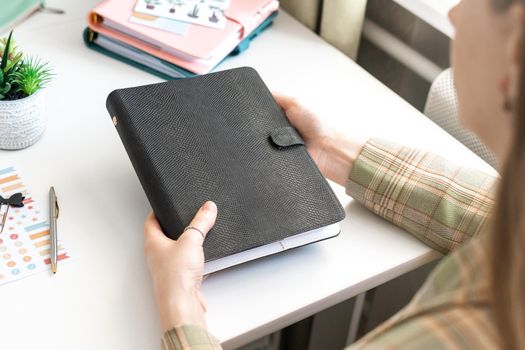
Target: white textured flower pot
[22, 122]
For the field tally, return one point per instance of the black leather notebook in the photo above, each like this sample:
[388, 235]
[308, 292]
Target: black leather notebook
[222, 137]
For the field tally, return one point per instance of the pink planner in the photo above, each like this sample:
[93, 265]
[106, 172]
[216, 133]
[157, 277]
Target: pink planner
[199, 50]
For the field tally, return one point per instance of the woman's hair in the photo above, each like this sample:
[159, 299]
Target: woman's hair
[508, 238]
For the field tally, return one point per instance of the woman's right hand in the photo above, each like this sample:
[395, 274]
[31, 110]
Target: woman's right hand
[333, 153]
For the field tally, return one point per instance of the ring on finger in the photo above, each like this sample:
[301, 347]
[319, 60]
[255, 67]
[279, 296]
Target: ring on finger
[196, 229]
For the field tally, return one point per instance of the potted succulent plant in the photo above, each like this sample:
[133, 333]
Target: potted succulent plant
[22, 117]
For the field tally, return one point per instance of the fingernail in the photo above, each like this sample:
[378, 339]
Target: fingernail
[209, 205]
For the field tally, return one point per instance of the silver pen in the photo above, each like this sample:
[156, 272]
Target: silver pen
[53, 216]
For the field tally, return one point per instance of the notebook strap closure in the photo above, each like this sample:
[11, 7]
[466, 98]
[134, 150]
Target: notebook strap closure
[286, 137]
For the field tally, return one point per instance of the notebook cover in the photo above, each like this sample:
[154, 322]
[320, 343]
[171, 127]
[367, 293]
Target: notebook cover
[89, 35]
[200, 48]
[222, 137]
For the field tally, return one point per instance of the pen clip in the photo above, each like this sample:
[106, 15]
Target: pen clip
[4, 217]
[57, 208]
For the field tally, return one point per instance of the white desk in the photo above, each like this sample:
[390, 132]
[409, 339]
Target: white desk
[104, 300]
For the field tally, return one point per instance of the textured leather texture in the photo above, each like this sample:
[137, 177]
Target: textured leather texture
[209, 138]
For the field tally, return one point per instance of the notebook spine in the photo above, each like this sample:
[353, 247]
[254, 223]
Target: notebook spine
[149, 178]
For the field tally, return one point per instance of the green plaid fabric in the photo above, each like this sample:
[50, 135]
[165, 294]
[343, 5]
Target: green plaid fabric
[189, 338]
[441, 204]
[444, 206]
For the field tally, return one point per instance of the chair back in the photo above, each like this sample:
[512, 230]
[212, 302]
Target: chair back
[442, 109]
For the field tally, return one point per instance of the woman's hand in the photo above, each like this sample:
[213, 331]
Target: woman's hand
[177, 267]
[333, 153]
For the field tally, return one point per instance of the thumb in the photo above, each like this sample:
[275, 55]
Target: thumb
[201, 224]
[284, 101]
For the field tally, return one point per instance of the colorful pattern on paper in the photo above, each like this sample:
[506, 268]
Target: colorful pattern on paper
[209, 13]
[25, 242]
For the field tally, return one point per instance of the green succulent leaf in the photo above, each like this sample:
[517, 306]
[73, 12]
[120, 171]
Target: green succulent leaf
[32, 75]
[20, 75]
[5, 56]
[6, 88]
[11, 63]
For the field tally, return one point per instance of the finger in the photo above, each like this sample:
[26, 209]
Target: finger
[286, 102]
[152, 229]
[203, 222]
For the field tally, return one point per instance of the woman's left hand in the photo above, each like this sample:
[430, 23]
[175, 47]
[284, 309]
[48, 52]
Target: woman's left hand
[177, 267]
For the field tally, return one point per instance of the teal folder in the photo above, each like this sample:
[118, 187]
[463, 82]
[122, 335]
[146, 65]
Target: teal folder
[13, 11]
[151, 64]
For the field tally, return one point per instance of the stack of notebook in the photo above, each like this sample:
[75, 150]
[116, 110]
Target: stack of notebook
[176, 39]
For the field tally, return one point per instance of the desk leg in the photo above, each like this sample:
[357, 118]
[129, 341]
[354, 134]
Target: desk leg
[356, 318]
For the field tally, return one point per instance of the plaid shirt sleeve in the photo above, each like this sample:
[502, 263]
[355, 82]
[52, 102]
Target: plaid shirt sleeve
[189, 338]
[441, 204]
